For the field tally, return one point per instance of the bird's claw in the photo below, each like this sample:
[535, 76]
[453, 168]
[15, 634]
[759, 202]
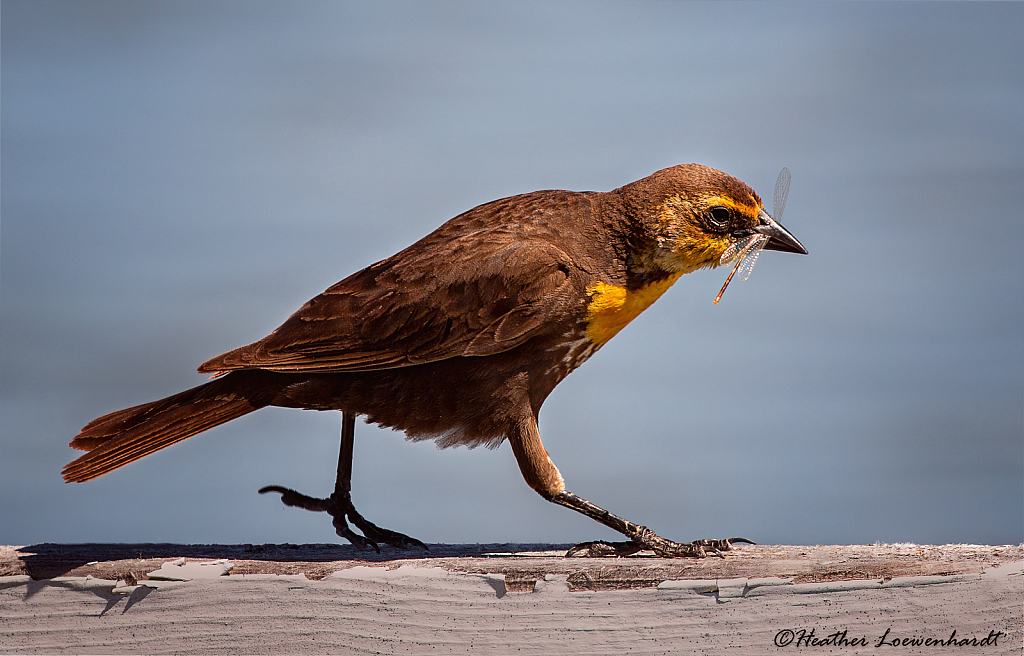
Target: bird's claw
[339, 509]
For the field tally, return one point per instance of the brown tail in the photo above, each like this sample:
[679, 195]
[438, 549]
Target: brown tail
[124, 436]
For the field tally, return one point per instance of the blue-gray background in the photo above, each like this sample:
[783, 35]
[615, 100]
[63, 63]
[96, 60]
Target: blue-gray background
[179, 177]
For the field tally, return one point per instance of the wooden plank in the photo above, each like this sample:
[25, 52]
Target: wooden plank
[521, 564]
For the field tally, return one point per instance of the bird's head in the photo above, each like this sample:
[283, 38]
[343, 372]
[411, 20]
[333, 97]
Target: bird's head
[690, 214]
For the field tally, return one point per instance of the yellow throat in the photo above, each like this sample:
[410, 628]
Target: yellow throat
[612, 307]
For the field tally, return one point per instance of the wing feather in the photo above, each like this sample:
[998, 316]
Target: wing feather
[476, 294]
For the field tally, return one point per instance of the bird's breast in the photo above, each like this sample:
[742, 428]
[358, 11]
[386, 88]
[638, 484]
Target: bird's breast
[611, 307]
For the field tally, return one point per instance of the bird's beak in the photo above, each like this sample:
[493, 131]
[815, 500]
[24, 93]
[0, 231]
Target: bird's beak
[780, 239]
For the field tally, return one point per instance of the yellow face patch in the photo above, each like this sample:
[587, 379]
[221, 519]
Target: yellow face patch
[612, 307]
[691, 244]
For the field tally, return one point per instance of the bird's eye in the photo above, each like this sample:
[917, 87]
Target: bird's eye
[720, 217]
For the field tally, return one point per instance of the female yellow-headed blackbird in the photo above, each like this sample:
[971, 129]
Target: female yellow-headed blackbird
[460, 337]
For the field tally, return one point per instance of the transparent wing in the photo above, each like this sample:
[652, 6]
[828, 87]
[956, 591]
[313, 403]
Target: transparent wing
[750, 257]
[781, 192]
[738, 249]
[747, 252]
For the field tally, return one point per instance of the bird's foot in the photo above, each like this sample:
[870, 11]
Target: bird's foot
[340, 507]
[641, 538]
[649, 541]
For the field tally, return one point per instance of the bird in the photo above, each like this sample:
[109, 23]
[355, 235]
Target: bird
[461, 337]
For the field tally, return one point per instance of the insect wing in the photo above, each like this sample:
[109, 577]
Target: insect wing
[746, 250]
[781, 192]
[737, 249]
[750, 256]
[730, 253]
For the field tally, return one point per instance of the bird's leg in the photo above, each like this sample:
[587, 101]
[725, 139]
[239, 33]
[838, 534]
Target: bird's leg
[339, 505]
[542, 475]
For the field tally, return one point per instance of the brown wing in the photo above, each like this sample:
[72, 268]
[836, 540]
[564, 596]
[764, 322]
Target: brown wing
[476, 293]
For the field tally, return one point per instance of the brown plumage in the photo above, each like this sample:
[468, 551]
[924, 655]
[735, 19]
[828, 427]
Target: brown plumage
[461, 336]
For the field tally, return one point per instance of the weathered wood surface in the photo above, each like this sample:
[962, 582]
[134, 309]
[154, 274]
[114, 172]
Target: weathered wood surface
[508, 599]
[521, 564]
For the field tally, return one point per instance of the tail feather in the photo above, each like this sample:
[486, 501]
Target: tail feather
[121, 437]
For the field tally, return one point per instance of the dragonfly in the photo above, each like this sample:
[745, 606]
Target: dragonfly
[745, 251]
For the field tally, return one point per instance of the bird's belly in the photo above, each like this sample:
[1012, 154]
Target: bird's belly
[465, 400]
